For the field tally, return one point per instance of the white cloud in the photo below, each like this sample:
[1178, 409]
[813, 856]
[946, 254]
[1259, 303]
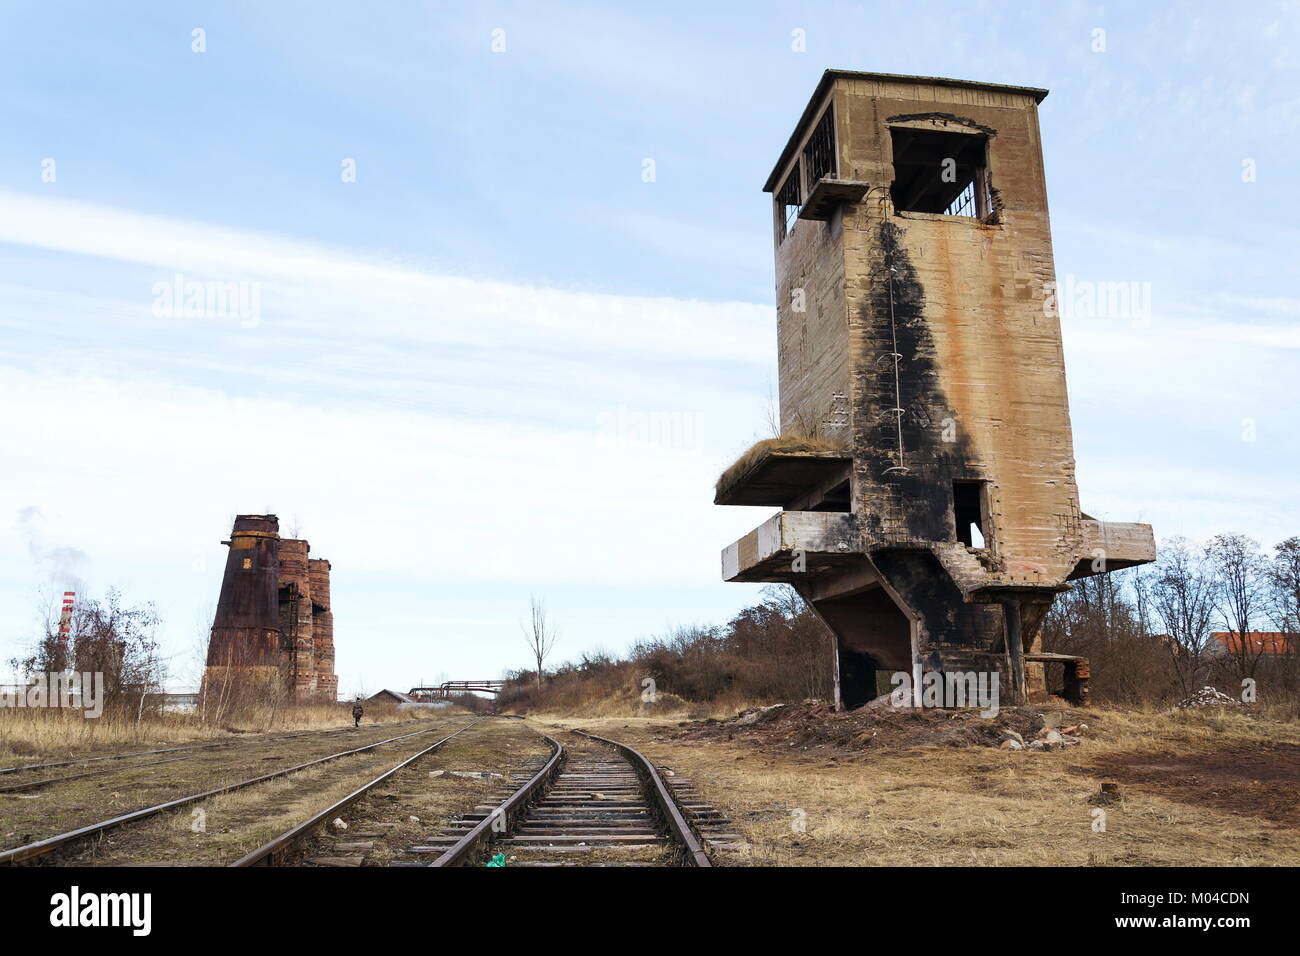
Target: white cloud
[441, 439]
[432, 432]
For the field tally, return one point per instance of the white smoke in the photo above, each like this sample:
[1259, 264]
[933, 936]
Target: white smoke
[64, 564]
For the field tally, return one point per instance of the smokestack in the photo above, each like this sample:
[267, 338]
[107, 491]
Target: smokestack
[327, 682]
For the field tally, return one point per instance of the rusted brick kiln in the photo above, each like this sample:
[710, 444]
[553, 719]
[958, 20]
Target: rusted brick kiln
[273, 631]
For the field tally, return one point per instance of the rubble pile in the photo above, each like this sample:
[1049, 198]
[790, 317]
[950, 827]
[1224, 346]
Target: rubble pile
[1047, 738]
[814, 726]
[1209, 697]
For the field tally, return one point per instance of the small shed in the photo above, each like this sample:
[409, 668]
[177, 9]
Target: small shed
[405, 701]
[390, 697]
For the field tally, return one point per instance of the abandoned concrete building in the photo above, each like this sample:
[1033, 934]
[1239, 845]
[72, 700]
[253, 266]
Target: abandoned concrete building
[273, 630]
[925, 468]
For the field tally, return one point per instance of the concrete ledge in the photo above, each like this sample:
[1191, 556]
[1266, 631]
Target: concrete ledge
[777, 478]
[829, 194]
[828, 540]
[1112, 546]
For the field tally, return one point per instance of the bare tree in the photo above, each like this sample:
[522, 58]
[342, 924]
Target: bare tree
[1184, 596]
[772, 413]
[109, 639]
[1284, 585]
[540, 635]
[1241, 569]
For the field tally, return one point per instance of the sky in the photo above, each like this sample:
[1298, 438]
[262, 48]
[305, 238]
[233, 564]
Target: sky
[475, 353]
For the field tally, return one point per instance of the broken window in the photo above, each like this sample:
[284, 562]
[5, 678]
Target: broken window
[968, 513]
[963, 205]
[819, 154]
[787, 202]
[940, 172]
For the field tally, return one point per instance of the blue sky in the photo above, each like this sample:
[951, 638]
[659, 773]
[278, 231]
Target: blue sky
[452, 353]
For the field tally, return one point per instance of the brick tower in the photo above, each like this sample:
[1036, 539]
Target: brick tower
[245, 645]
[273, 632]
[322, 622]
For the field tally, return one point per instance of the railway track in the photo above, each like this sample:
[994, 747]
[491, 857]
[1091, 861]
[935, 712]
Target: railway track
[40, 848]
[594, 802]
[186, 751]
[597, 803]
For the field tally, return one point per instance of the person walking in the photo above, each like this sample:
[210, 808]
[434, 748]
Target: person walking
[357, 712]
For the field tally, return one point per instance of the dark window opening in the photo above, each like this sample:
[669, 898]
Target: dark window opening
[787, 202]
[968, 513]
[859, 679]
[287, 596]
[836, 499]
[819, 154]
[940, 172]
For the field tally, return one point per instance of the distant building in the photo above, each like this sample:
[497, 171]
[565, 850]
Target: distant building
[405, 701]
[179, 700]
[1272, 643]
[390, 697]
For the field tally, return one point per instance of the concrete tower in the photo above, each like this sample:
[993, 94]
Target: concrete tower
[926, 470]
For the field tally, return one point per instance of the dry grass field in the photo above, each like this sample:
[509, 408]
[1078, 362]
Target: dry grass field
[41, 803]
[37, 735]
[1197, 788]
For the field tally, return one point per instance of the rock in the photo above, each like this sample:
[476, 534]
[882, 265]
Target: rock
[1109, 794]
[1010, 744]
[1015, 736]
[752, 716]
[474, 774]
[1037, 745]
[412, 819]
[338, 824]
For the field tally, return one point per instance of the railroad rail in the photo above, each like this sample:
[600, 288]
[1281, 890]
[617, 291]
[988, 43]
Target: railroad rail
[189, 752]
[499, 820]
[50, 844]
[581, 803]
[663, 798]
[212, 745]
[269, 853]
